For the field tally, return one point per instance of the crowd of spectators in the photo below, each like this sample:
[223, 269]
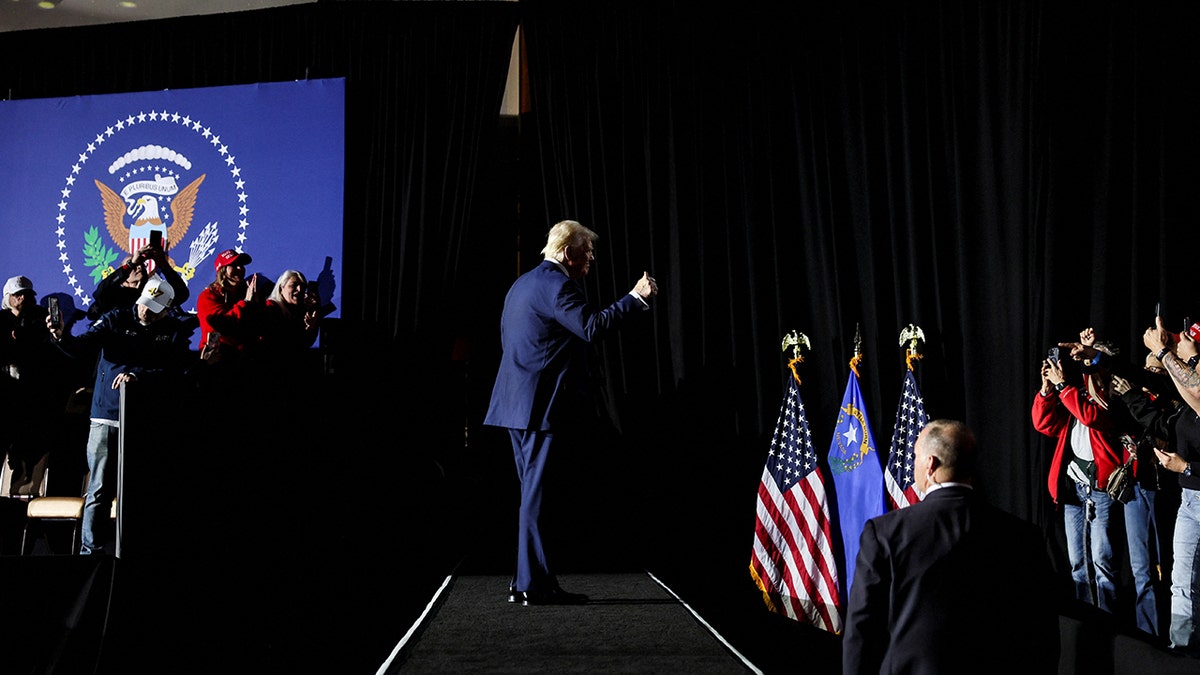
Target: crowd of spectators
[1125, 475]
[63, 367]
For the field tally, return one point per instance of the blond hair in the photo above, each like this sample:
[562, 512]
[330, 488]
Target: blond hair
[564, 234]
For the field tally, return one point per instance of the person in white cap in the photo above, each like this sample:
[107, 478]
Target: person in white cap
[27, 385]
[123, 285]
[21, 320]
[144, 342]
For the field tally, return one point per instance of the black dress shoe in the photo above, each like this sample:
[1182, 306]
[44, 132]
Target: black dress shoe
[556, 596]
[514, 595]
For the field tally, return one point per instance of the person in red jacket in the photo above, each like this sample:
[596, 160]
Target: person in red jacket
[1088, 449]
[229, 308]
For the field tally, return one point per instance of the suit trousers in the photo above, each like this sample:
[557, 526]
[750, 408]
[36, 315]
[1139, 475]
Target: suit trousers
[531, 450]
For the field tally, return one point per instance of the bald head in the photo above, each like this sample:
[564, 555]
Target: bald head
[945, 453]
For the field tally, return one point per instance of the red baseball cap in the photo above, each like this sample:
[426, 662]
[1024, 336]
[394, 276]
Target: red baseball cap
[231, 257]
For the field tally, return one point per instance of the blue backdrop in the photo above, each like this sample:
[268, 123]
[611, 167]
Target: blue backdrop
[255, 167]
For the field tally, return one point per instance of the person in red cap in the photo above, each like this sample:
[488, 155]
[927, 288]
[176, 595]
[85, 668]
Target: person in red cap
[227, 308]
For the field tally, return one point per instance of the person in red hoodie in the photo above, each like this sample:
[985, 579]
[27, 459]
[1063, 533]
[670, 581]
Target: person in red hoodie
[1088, 449]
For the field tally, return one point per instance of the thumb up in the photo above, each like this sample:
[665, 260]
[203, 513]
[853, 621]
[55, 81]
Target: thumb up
[646, 287]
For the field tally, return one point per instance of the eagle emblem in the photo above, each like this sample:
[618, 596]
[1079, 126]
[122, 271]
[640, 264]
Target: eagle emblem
[144, 212]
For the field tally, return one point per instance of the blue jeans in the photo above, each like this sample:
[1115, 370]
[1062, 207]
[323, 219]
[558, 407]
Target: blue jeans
[1141, 531]
[1183, 575]
[1089, 548]
[102, 487]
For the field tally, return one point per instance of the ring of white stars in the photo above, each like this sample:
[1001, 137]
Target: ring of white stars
[128, 122]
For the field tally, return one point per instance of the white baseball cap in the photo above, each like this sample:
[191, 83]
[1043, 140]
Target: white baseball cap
[15, 285]
[156, 295]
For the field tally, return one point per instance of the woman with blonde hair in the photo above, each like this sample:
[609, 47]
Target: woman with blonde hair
[291, 319]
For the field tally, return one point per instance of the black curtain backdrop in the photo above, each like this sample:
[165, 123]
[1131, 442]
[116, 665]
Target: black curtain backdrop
[1001, 174]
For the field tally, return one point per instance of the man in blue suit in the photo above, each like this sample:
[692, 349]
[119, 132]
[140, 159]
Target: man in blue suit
[950, 584]
[540, 394]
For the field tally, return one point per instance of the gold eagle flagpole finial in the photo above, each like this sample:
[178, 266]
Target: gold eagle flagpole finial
[910, 338]
[795, 340]
[857, 349]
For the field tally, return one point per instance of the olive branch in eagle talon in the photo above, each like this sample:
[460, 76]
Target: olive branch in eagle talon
[97, 256]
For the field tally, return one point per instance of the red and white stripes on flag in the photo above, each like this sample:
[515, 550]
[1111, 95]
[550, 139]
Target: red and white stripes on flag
[138, 243]
[792, 562]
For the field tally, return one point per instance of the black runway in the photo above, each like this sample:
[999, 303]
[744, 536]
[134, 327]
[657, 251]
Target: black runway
[630, 624]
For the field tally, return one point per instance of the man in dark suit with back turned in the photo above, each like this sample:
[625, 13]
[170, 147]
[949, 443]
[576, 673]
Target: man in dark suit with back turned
[540, 393]
[950, 584]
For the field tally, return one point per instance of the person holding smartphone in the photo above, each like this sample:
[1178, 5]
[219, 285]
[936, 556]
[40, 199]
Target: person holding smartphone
[28, 386]
[122, 286]
[1086, 452]
[1181, 457]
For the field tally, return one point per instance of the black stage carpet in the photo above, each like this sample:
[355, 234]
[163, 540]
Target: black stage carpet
[631, 624]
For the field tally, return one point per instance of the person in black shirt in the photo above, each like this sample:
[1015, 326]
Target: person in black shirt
[1182, 457]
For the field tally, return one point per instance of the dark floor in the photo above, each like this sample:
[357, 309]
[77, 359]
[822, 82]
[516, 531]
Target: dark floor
[296, 541]
[629, 624]
[234, 610]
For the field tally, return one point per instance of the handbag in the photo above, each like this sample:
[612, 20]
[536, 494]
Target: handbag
[1120, 482]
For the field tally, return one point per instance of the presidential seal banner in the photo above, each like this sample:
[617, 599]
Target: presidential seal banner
[90, 179]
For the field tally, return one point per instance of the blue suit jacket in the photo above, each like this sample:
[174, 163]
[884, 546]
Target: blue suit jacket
[951, 584]
[545, 330]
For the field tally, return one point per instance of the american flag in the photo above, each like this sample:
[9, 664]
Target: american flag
[792, 562]
[910, 419]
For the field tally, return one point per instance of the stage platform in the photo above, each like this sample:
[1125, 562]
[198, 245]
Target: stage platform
[632, 623]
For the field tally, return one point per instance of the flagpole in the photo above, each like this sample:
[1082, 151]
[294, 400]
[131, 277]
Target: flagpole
[857, 358]
[792, 562]
[854, 463]
[910, 419]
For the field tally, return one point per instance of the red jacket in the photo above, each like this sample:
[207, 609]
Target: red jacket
[1052, 415]
[237, 321]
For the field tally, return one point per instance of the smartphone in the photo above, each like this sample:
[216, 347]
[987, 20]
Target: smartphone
[1052, 355]
[156, 238]
[1193, 329]
[55, 312]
